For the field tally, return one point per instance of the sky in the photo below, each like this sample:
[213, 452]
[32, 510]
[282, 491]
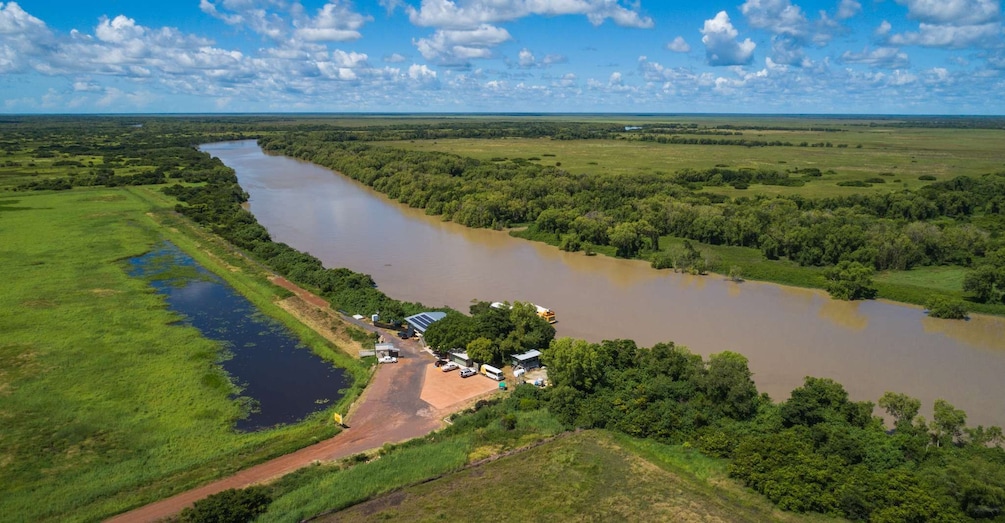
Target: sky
[513, 56]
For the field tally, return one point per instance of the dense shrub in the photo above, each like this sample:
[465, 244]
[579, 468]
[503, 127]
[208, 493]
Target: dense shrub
[229, 506]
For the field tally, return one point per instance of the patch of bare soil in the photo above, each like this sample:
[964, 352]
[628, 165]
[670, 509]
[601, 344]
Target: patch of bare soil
[323, 321]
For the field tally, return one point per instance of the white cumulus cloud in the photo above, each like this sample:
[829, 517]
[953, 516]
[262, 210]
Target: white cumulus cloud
[463, 14]
[335, 22]
[421, 72]
[848, 9]
[526, 58]
[23, 38]
[882, 57]
[953, 12]
[679, 45]
[721, 46]
[952, 24]
[454, 46]
[777, 16]
[951, 36]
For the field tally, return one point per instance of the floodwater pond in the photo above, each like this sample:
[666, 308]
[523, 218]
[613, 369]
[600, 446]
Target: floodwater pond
[281, 378]
[787, 333]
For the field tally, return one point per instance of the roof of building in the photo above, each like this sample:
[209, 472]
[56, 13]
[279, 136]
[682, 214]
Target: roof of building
[423, 320]
[529, 355]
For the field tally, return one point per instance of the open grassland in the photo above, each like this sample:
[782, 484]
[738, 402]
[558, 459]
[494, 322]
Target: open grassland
[472, 437]
[594, 476]
[898, 157]
[106, 402]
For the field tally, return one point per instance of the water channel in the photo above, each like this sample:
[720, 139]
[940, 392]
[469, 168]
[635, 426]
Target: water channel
[283, 378]
[787, 333]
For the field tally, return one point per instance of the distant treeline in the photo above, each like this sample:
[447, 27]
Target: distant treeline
[958, 221]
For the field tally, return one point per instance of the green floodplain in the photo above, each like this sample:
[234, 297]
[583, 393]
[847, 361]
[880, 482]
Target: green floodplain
[107, 403]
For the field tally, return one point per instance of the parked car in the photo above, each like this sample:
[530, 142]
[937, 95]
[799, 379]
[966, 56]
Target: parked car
[440, 362]
[388, 359]
[450, 366]
[403, 335]
[467, 373]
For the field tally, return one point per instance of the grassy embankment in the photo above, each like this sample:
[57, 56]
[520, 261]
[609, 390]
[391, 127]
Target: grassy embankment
[606, 476]
[896, 156]
[528, 476]
[108, 403]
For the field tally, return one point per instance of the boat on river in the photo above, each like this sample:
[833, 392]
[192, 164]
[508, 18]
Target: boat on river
[544, 312]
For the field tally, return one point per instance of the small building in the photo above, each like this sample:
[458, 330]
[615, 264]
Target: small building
[386, 349]
[421, 321]
[528, 360]
[462, 359]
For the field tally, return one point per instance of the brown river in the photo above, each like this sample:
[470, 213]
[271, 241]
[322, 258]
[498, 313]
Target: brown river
[787, 333]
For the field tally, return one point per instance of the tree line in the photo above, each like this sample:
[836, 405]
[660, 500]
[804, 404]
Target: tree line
[818, 451]
[958, 221]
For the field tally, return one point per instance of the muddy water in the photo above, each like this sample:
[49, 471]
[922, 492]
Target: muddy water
[787, 333]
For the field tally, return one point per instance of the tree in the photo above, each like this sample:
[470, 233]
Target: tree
[530, 331]
[575, 363]
[493, 323]
[480, 349]
[947, 424]
[823, 399]
[453, 332]
[728, 385]
[902, 408]
[986, 283]
[625, 239]
[229, 506]
[850, 281]
[940, 307]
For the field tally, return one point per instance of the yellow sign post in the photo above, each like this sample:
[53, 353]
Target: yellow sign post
[338, 418]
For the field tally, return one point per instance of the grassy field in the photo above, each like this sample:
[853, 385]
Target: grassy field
[472, 437]
[587, 476]
[106, 403]
[897, 156]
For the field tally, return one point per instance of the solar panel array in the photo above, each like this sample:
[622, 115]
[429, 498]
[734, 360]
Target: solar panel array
[423, 320]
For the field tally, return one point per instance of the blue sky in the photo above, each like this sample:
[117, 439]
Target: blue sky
[752, 56]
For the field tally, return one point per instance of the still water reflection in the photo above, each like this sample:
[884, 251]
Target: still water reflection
[283, 378]
[787, 333]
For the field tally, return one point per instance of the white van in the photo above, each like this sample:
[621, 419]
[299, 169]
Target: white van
[492, 372]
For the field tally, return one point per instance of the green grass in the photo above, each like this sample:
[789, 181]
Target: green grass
[945, 278]
[107, 403]
[329, 487]
[473, 435]
[590, 475]
[903, 153]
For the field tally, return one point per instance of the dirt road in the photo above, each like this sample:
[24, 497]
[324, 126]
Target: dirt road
[389, 411]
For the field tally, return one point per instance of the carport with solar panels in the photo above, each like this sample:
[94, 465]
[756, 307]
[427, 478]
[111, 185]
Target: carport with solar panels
[421, 321]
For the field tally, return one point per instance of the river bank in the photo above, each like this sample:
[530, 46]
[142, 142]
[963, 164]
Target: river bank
[786, 332]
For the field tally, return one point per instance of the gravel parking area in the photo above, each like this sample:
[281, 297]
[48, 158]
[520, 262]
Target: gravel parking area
[448, 390]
